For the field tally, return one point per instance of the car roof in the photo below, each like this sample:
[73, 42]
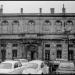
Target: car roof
[36, 61]
[66, 64]
[10, 61]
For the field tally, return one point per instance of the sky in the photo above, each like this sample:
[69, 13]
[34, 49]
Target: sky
[33, 6]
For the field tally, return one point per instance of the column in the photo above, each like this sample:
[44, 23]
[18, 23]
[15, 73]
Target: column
[9, 51]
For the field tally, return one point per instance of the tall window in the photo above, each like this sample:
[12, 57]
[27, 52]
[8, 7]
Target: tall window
[58, 24]
[59, 54]
[4, 26]
[15, 45]
[47, 54]
[71, 55]
[31, 26]
[46, 25]
[15, 26]
[69, 25]
[14, 53]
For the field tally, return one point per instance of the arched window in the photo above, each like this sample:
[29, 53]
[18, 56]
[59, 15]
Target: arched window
[31, 22]
[46, 25]
[15, 22]
[4, 26]
[47, 22]
[58, 22]
[69, 25]
[58, 25]
[69, 22]
[31, 26]
[15, 26]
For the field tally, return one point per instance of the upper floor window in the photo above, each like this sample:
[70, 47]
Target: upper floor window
[69, 22]
[15, 22]
[47, 22]
[58, 22]
[68, 25]
[31, 22]
[5, 22]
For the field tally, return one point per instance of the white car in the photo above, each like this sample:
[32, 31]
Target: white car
[23, 61]
[36, 67]
[11, 67]
[66, 68]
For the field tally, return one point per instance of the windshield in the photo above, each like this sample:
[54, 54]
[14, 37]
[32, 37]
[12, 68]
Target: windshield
[5, 66]
[32, 65]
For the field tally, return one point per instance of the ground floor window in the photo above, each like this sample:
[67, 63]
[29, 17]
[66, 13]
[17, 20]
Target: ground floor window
[71, 55]
[3, 54]
[14, 53]
[59, 54]
[47, 54]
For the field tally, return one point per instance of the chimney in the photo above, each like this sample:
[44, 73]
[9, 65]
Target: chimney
[21, 10]
[63, 9]
[1, 9]
[52, 10]
[40, 10]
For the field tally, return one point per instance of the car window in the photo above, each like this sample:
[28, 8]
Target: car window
[5, 66]
[42, 65]
[16, 65]
[19, 64]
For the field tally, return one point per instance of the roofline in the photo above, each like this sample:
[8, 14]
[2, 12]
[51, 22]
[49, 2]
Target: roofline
[37, 15]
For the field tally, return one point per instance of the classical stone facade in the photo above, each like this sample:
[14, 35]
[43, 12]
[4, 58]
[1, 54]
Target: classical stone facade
[46, 36]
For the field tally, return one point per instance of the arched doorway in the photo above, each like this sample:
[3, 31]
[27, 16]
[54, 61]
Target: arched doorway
[32, 51]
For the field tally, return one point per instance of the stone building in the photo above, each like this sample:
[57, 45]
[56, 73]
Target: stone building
[46, 36]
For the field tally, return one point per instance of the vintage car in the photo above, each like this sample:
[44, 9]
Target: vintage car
[36, 67]
[66, 68]
[11, 67]
[23, 61]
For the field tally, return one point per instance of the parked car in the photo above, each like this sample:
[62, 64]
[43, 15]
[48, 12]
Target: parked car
[11, 67]
[66, 68]
[53, 65]
[23, 61]
[36, 67]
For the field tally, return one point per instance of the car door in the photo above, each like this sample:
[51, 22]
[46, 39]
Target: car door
[17, 69]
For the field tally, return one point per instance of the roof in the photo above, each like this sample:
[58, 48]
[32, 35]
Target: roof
[36, 14]
[36, 61]
[10, 61]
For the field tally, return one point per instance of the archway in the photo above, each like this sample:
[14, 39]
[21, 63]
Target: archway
[32, 51]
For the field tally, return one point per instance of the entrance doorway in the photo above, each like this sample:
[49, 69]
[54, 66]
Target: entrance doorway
[3, 53]
[32, 53]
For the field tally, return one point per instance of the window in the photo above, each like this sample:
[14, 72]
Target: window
[3, 45]
[58, 25]
[71, 55]
[69, 25]
[14, 53]
[15, 26]
[15, 45]
[31, 22]
[47, 45]
[59, 45]
[47, 22]
[4, 26]
[59, 54]
[70, 45]
[47, 54]
[58, 22]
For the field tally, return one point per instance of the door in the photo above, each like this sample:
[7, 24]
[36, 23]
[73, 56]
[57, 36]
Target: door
[3, 53]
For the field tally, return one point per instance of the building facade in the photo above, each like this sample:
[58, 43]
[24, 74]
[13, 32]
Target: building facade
[46, 36]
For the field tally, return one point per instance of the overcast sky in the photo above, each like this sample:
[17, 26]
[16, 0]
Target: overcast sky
[33, 6]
